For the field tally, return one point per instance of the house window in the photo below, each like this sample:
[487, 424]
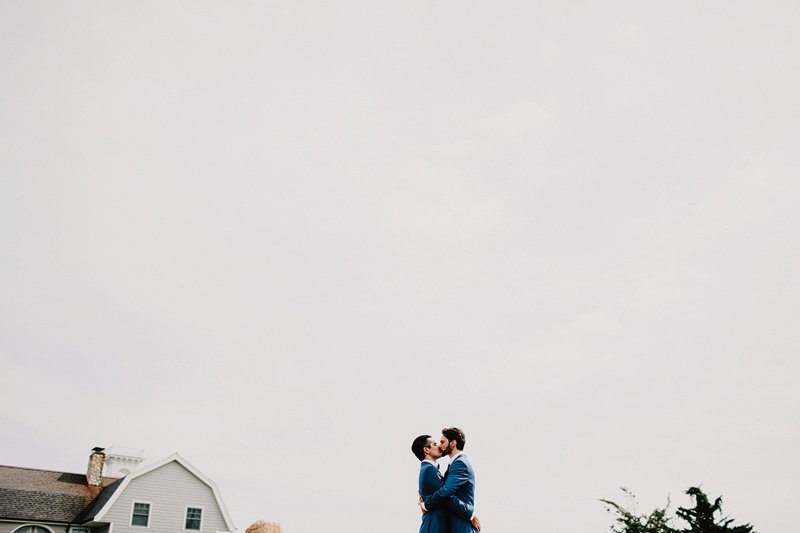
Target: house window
[141, 514]
[32, 529]
[194, 516]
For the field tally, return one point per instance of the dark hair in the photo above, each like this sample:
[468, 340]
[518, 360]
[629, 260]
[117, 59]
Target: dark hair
[418, 445]
[456, 435]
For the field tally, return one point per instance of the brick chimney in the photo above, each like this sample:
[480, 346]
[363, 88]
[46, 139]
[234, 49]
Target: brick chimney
[94, 472]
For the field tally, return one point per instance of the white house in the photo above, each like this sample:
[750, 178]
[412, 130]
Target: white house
[170, 496]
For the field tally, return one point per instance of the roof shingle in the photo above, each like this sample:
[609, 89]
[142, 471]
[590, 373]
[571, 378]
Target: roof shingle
[43, 495]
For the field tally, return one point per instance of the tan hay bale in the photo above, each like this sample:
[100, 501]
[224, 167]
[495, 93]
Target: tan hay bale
[262, 526]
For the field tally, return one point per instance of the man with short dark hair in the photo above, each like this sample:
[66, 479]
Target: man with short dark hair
[459, 483]
[430, 479]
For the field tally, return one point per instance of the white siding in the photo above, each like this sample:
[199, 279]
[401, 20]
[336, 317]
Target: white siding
[169, 490]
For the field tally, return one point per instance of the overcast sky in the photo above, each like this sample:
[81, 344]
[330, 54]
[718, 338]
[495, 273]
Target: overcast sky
[285, 238]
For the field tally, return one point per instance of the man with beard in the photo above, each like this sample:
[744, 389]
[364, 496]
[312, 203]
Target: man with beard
[458, 483]
[430, 480]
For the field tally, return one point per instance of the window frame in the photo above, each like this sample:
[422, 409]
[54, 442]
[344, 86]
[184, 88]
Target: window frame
[186, 516]
[24, 526]
[149, 513]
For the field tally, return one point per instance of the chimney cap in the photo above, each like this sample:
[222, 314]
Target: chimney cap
[98, 449]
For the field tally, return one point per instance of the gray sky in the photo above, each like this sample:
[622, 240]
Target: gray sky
[285, 238]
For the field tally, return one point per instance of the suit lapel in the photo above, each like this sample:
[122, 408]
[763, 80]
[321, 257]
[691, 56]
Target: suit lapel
[426, 464]
[459, 458]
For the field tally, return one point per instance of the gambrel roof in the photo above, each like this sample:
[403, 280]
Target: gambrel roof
[98, 512]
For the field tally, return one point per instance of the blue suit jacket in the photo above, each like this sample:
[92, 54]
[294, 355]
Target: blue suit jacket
[459, 483]
[437, 520]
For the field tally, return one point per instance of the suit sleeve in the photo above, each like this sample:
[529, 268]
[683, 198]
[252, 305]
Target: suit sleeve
[456, 477]
[460, 508]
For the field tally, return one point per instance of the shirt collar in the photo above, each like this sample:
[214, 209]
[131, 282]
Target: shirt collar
[453, 460]
[431, 461]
